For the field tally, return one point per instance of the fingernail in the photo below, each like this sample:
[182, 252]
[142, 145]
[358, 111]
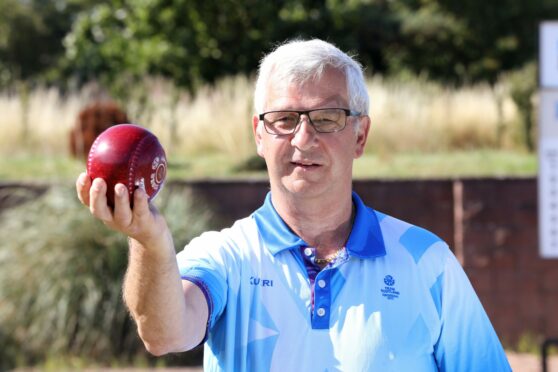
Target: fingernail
[97, 186]
[119, 191]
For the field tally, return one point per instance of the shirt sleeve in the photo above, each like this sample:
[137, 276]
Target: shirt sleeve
[467, 340]
[206, 262]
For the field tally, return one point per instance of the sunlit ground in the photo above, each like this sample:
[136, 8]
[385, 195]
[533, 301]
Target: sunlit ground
[478, 163]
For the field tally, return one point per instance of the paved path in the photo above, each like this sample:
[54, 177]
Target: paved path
[519, 363]
[531, 362]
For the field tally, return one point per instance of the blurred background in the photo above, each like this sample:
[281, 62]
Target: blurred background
[453, 88]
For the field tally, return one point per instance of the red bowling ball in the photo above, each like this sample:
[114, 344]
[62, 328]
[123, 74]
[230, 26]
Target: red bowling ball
[131, 155]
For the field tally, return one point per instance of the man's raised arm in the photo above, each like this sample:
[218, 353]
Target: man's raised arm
[171, 314]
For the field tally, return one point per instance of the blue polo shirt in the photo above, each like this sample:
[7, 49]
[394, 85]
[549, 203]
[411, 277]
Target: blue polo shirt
[395, 299]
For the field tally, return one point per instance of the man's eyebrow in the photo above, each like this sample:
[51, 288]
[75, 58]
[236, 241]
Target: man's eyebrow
[334, 101]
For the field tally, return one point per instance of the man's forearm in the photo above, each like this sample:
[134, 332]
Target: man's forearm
[153, 293]
[171, 314]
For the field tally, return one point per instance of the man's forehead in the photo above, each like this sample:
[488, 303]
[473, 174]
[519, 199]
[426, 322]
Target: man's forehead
[304, 102]
[330, 90]
[328, 75]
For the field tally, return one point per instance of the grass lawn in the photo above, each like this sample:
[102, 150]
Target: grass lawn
[478, 163]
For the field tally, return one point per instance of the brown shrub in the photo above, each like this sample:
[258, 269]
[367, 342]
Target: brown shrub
[93, 120]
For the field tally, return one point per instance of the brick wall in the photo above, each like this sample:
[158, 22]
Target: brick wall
[491, 224]
[500, 244]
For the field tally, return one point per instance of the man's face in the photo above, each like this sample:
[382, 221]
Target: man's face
[308, 163]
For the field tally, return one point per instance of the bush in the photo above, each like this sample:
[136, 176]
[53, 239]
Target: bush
[61, 276]
[522, 87]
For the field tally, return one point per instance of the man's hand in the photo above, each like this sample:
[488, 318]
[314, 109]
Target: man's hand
[142, 223]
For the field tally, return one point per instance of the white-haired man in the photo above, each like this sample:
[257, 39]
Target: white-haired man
[313, 280]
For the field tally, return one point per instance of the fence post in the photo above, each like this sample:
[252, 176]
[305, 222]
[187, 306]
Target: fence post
[544, 351]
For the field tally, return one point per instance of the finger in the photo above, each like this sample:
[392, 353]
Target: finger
[122, 209]
[141, 204]
[98, 200]
[83, 184]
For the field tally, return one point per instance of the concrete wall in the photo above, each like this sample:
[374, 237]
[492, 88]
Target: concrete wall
[491, 225]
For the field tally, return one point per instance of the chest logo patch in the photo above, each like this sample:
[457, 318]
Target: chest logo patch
[389, 290]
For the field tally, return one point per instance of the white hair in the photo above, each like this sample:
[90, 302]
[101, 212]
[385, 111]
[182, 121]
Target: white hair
[299, 61]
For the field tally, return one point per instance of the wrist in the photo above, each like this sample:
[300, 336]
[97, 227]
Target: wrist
[156, 243]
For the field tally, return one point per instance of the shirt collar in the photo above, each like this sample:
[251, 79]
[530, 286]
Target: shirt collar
[365, 240]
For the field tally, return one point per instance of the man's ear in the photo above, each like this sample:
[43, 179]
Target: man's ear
[362, 135]
[257, 130]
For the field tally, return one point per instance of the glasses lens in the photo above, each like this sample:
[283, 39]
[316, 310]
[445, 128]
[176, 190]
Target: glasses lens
[281, 122]
[328, 120]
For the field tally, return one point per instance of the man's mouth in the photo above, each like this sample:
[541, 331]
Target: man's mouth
[305, 164]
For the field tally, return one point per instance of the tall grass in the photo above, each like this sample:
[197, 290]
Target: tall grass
[61, 275]
[421, 116]
[413, 115]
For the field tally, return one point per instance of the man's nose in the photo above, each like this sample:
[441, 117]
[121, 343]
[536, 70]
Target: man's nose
[304, 136]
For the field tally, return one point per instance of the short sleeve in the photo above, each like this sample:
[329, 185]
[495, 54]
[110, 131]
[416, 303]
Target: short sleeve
[206, 263]
[467, 340]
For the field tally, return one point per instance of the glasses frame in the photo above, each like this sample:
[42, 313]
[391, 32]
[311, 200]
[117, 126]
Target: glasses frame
[348, 113]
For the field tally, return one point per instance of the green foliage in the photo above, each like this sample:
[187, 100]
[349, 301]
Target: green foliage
[253, 163]
[61, 275]
[195, 42]
[529, 343]
[200, 41]
[523, 86]
[502, 35]
[467, 41]
[31, 35]
[18, 29]
[428, 42]
[190, 41]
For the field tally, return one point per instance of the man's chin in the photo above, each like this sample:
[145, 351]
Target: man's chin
[302, 186]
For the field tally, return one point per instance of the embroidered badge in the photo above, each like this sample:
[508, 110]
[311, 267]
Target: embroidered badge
[388, 280]
[389, 291]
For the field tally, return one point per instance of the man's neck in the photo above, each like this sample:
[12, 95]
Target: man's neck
[324, 223]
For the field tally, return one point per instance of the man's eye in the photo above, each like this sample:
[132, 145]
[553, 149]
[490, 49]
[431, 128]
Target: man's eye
[284, 121]
[324, 120]
[326, 116]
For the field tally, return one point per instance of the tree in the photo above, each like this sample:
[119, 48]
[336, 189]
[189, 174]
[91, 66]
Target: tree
[191, 42]
[199, 41]
[467, 41]
[31, 34]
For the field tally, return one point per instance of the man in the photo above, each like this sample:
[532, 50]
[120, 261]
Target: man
[313, 280]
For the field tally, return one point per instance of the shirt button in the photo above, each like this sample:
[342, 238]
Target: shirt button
[321, 311]
[321, 283]
[308, 251]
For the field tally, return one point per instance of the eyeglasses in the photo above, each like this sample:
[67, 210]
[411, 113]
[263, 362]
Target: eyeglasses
[326, 120]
